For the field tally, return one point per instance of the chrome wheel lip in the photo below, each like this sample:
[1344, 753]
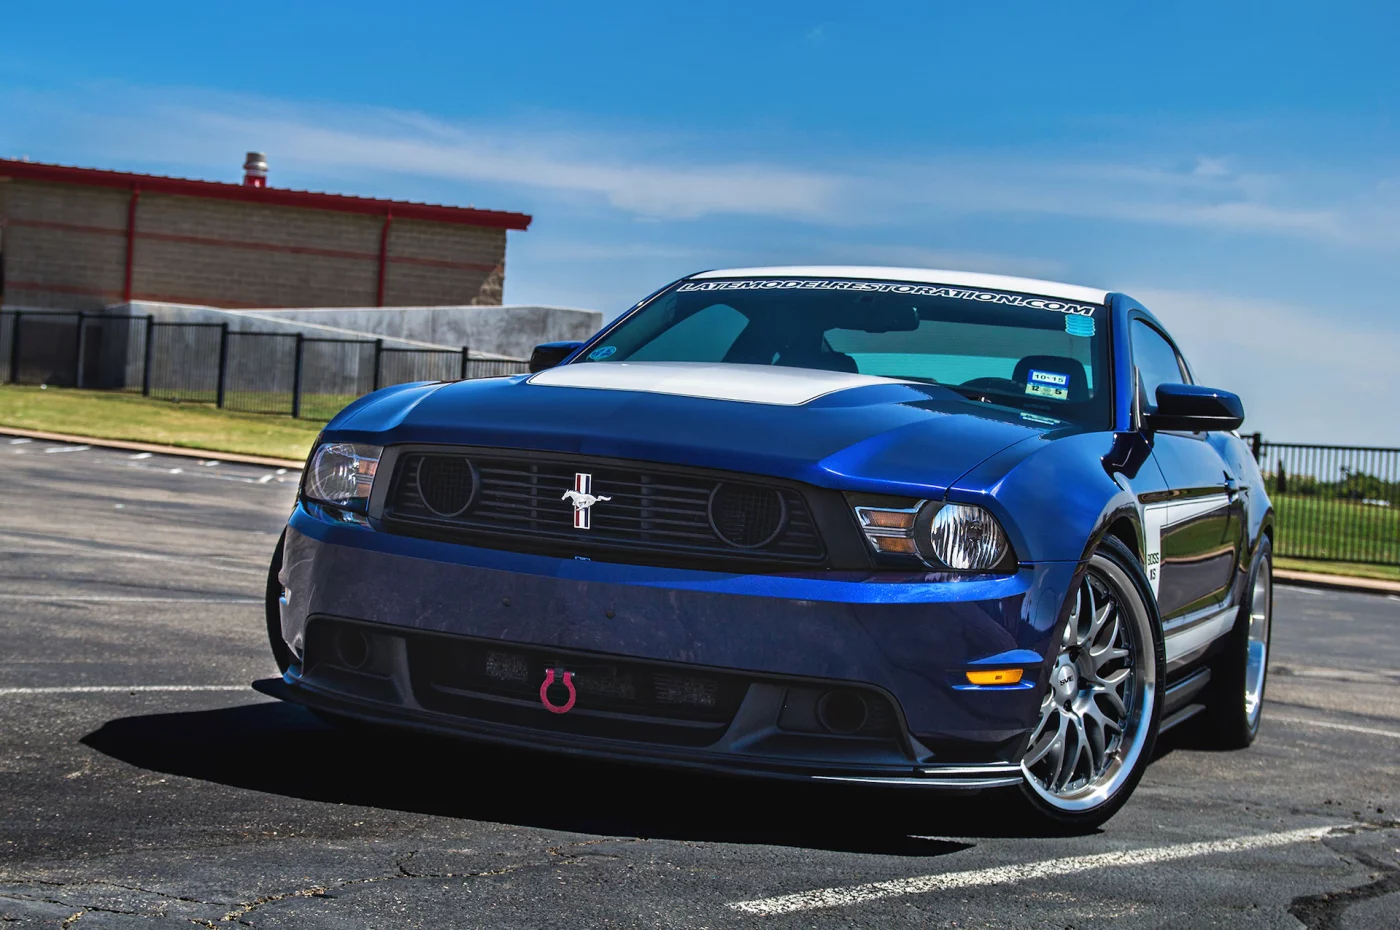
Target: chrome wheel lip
[1141, 690]
[1257, 645]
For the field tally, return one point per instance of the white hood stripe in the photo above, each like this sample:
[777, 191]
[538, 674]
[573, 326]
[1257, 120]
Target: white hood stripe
[754, 384]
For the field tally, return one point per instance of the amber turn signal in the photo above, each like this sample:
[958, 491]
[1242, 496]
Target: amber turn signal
[995, 676]
[888, 519]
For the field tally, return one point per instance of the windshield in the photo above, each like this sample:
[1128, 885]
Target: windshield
[1043, 356]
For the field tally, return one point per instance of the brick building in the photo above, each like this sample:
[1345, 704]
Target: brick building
[83, 239]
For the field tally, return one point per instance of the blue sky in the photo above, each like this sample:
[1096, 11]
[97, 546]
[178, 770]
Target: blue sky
[1237, 169]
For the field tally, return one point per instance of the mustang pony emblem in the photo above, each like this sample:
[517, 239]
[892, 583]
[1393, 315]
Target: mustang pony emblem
[568, 686]
[583, 499]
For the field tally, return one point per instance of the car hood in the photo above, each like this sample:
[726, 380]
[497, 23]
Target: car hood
[832, 429]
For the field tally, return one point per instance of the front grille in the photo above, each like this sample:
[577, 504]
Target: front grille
[617, 698]
[640, 512]
[613, 697]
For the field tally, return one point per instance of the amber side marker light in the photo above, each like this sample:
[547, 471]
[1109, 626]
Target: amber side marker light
[996, 676]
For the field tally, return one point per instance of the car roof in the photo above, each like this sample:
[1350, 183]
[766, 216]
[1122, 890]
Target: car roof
[996, 282]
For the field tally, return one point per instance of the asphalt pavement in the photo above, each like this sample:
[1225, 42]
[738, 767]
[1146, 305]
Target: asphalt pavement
[144, 784]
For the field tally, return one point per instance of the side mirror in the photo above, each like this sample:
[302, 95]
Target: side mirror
[1192, 408]
[549, 354]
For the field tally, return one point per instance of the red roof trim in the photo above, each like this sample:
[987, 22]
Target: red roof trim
[277, 196]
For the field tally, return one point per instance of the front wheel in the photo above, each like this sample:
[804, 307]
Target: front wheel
[1101, 709]
[272, 609]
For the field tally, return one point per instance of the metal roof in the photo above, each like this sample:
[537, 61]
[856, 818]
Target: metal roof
[277, 196]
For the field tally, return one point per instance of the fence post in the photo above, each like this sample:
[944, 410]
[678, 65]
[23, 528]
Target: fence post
[223, 363]
[464, 363]
[78, 352]
[296, 378]
[14, 348]
[378, 355]
[146, 363]
[1256, 444]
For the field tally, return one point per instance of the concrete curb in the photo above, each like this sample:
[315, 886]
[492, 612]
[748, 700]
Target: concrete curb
[153, 448]
[1336, 582]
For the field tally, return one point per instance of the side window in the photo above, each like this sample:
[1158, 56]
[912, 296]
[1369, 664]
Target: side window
[1156, 363]
[704, 336]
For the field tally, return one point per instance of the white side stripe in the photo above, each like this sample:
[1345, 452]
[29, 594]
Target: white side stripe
[1003, 875]
[122, 689]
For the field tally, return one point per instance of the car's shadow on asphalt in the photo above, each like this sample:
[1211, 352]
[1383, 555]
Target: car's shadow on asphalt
[281, 749]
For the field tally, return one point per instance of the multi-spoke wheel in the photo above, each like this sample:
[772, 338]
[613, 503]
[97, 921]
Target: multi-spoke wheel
[1235, 703]
[1099, 713]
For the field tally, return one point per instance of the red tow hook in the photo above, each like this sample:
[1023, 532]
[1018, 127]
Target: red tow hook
[568, 686]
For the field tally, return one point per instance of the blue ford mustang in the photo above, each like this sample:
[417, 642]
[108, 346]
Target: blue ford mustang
[882, 525]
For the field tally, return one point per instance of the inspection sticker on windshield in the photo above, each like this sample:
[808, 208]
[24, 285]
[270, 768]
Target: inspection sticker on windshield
[602, 352]
[1048, 384]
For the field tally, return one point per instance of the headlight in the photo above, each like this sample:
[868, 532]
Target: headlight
[342, 473]
[967, 537]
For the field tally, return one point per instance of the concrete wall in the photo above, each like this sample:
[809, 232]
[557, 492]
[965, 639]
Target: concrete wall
[243, 322]
[65, 247]
[511, 331]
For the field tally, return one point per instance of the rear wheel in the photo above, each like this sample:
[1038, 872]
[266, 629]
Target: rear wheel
[1237, 676]
[1100, 712]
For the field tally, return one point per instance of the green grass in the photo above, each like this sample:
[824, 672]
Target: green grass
[111, 415]
[1328, 529]
[313, 406]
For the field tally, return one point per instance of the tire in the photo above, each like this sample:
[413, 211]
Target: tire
[1235, 701]
[280, 651]
[273, 609]
[1111, 634]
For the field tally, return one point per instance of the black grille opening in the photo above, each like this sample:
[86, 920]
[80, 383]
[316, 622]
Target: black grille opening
[853, 712]
[445, 483]
[640, 513]
[616, 698]
[746, 516]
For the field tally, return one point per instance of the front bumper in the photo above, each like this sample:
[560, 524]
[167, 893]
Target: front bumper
[907, 639]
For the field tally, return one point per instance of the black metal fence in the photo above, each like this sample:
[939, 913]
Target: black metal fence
[255, 372]
[1334, 503]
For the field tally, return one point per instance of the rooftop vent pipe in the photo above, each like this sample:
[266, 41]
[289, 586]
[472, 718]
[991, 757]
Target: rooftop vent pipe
[255, 170]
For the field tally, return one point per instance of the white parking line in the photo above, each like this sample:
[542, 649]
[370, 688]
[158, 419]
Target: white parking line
[67, 449]
[1373, 731]
[121, 689]
[125, 599]
[1010, 874]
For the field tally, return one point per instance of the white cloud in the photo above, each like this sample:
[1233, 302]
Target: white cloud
[1204, 194]
[1304, 376]
[687, 175]
[575, 163]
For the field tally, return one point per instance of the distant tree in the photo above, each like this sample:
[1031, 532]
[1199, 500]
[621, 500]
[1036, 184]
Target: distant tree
[1282, 478]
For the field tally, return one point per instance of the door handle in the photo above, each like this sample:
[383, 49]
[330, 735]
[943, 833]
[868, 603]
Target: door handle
[1233, 486]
